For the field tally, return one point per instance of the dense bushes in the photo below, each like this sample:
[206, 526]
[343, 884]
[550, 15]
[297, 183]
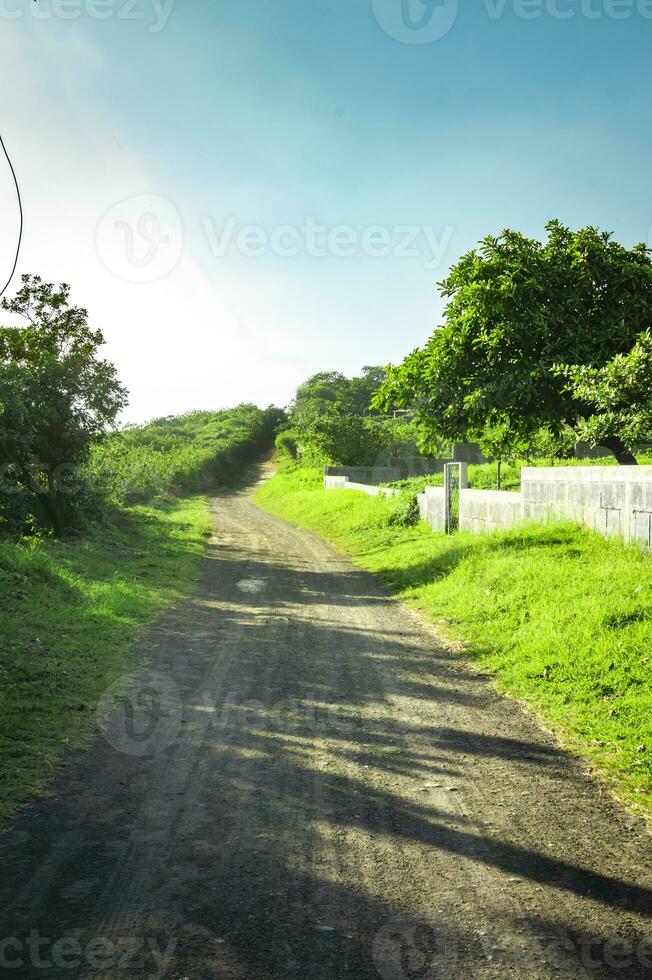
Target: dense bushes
[169, 457]
[177, 455]
[333, 423]
[287, 442]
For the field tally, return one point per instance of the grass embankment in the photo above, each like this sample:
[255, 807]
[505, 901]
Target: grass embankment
[69, 614]
[562, 617]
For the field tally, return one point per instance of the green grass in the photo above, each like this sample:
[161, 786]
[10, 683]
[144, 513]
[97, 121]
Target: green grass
[559, 615]
[70, 612]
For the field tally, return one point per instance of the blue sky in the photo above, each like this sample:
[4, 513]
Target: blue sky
[235, 126]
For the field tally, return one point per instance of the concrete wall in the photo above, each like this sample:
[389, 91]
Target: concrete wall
[390, 470]
[616, 501]
[343, 483]
[365, 474]
[431, 507]
[488, 510]
[583, 450]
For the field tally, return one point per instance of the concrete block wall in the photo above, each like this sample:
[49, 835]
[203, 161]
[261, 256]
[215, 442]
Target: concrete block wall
[390, 470]
[431, 507]
[343, 483]
[468, 452]
[365, 474]
[616, 501]
[489, 510]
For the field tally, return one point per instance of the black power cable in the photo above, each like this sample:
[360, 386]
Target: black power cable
[20, 208]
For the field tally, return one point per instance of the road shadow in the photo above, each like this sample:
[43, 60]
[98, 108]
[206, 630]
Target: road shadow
[299, 822]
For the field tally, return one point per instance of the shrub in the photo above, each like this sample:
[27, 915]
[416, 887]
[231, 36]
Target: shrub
[286, 442]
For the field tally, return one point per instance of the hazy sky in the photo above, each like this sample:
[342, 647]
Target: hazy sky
[245, 192]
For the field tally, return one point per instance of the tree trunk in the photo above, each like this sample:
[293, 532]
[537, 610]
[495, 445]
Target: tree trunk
[498, 474]
[620, 451]
[49, 506]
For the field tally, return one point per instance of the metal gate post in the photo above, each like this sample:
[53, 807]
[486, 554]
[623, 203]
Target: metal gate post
[455, 477]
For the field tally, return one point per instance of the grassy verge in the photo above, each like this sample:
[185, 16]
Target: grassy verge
[560, 616]
[69, 614]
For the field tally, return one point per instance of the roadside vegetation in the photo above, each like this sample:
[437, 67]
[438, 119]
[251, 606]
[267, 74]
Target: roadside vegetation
[542, 346]
[332, 421]
[70, 611]
[560, 616]
[100, 528]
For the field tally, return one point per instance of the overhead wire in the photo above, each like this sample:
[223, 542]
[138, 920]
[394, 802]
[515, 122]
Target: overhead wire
[20, 209]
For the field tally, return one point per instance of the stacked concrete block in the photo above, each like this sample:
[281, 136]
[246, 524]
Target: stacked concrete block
[616, 501]
[489, 510]
[343, 483]
[432, 507]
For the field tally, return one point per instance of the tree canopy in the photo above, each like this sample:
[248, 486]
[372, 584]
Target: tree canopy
[57, 395]
[519, 310]
[619, 395]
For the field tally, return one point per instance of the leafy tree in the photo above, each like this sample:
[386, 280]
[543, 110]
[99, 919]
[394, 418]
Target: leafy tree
[319, 393]
[497, 442]
[58, 398]
[339, 437]
[332, 436]
[559, 444]
[516, 310]
[333, 421]
[360, 390]
[619, 395]
[326, 389]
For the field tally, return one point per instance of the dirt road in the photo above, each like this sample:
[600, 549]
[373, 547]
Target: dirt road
[307, 784]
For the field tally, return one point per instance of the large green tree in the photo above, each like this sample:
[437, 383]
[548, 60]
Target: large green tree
[58, 397]
[517, 309]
